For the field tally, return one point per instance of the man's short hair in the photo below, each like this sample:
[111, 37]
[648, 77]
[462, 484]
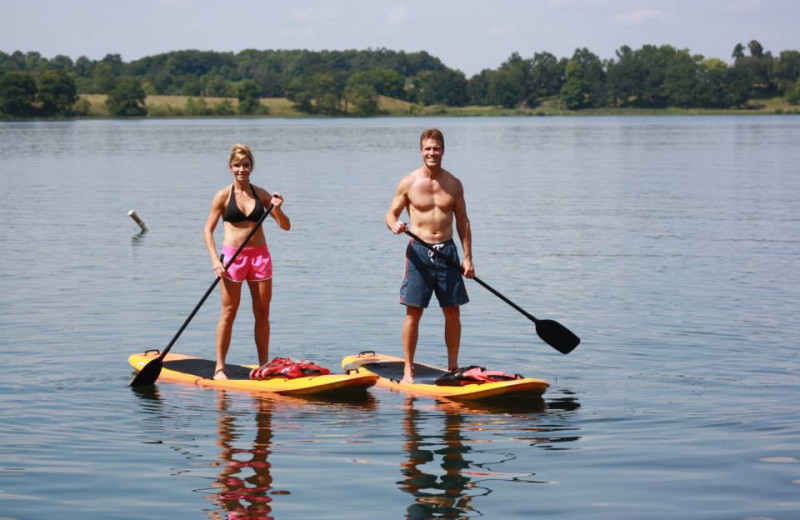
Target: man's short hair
[432, 133]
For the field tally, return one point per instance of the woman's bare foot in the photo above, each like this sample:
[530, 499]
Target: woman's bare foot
[219, 375]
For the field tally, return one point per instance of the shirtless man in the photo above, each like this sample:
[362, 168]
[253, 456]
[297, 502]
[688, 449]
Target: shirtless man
[433, 198]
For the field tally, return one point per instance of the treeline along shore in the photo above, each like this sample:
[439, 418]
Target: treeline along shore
[362, 83]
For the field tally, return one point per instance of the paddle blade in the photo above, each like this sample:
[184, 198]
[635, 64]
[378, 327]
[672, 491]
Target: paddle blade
[149, 373]
[557, 336]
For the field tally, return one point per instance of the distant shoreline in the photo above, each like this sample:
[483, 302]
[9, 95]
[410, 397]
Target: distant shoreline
[390, 107]
[171, 107]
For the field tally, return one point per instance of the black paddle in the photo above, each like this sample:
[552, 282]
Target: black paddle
[150, 372]
[553, 333]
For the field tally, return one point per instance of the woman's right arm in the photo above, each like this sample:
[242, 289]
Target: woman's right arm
[214, 214]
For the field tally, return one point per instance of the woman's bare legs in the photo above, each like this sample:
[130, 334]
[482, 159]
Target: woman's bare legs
[262, 297]
[230, 293]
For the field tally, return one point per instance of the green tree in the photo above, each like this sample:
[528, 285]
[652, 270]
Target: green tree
[61, 62]
[82, 107]
[360, 95]
[196, 107]
[575, 91]
[217, 86]
[162, 83]
[510, 87]
[57, 92]
[249, 94]
[739, 86]
[271, 83]
[17, 94]
[103, 78]
[504, 89]
[758, 68]
[443, 88]
[712, 85]
[298, 94]
[127, 99]
[756, 49]
[637, 78]
[326, 93]
[388, 83]
[114, 62]
[34, 61]
[793, 94]
[478, 87]
[594, 76]
[84, 67]
[624, 77]
[545, 77]
[224, 108]
[681, 80]
[190, 86]
[655, 62]
[787, 70]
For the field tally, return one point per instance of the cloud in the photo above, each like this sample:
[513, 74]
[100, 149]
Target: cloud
[638, 16]
[176, 4]
[743, 6]
[315, 15]
[397, 16]
[502, 29]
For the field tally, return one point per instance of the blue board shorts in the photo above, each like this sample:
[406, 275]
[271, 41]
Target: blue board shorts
[425, 274]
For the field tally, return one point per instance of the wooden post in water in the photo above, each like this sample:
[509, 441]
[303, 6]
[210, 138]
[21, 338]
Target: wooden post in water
[138, 220]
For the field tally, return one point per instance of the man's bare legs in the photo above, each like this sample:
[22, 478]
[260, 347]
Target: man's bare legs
[452, 338]
[452, 335]
[410, 335]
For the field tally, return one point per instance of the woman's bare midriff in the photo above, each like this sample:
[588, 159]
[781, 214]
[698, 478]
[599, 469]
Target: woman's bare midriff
[236, 233]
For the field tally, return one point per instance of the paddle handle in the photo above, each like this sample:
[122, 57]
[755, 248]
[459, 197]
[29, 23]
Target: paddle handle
[452, 263]
[228, 263]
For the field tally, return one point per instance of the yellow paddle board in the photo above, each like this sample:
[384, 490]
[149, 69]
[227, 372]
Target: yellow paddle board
[389, 370]
[178, 368]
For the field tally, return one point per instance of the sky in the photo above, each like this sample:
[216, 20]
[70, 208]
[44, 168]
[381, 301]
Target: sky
[466, 35]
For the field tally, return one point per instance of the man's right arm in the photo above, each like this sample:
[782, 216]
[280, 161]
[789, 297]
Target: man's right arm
[396, 207]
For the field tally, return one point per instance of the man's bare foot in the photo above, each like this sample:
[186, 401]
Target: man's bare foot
[219, 375]
[407, 378]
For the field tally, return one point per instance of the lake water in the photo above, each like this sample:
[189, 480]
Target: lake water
[670, 245]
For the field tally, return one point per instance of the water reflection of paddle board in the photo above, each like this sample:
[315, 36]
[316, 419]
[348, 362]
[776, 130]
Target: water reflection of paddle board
[191, 370]
[389, 370]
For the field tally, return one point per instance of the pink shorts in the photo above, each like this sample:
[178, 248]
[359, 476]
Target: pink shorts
[253, 264]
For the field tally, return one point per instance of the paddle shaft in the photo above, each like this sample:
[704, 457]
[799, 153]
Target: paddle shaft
[452, 263]
[228, 263]
[552, 332]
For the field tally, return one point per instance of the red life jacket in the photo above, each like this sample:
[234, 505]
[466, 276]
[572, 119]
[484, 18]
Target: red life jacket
[287, 368]
[474, 375]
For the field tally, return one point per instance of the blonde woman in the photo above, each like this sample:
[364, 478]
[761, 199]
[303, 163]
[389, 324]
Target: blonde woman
[241, 205]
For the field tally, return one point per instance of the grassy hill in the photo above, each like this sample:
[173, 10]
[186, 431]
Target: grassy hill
[175, 106]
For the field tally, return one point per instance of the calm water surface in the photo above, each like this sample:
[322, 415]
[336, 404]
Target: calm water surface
[670, 245]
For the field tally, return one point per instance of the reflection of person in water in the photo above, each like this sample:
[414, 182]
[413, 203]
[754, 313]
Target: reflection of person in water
[245, 496]
[435, 497]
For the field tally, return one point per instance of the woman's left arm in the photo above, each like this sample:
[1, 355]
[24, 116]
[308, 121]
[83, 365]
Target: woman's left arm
[276, 199]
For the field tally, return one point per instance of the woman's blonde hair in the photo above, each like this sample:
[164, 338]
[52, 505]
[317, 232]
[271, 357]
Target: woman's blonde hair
[240, 151]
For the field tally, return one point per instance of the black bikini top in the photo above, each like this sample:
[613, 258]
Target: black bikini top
[233, 214]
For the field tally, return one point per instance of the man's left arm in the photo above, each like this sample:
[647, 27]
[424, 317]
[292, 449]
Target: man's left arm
[464, 234]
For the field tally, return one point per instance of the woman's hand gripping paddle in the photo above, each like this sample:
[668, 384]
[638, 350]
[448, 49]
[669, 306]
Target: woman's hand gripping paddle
[553, 333]
[150, 372]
